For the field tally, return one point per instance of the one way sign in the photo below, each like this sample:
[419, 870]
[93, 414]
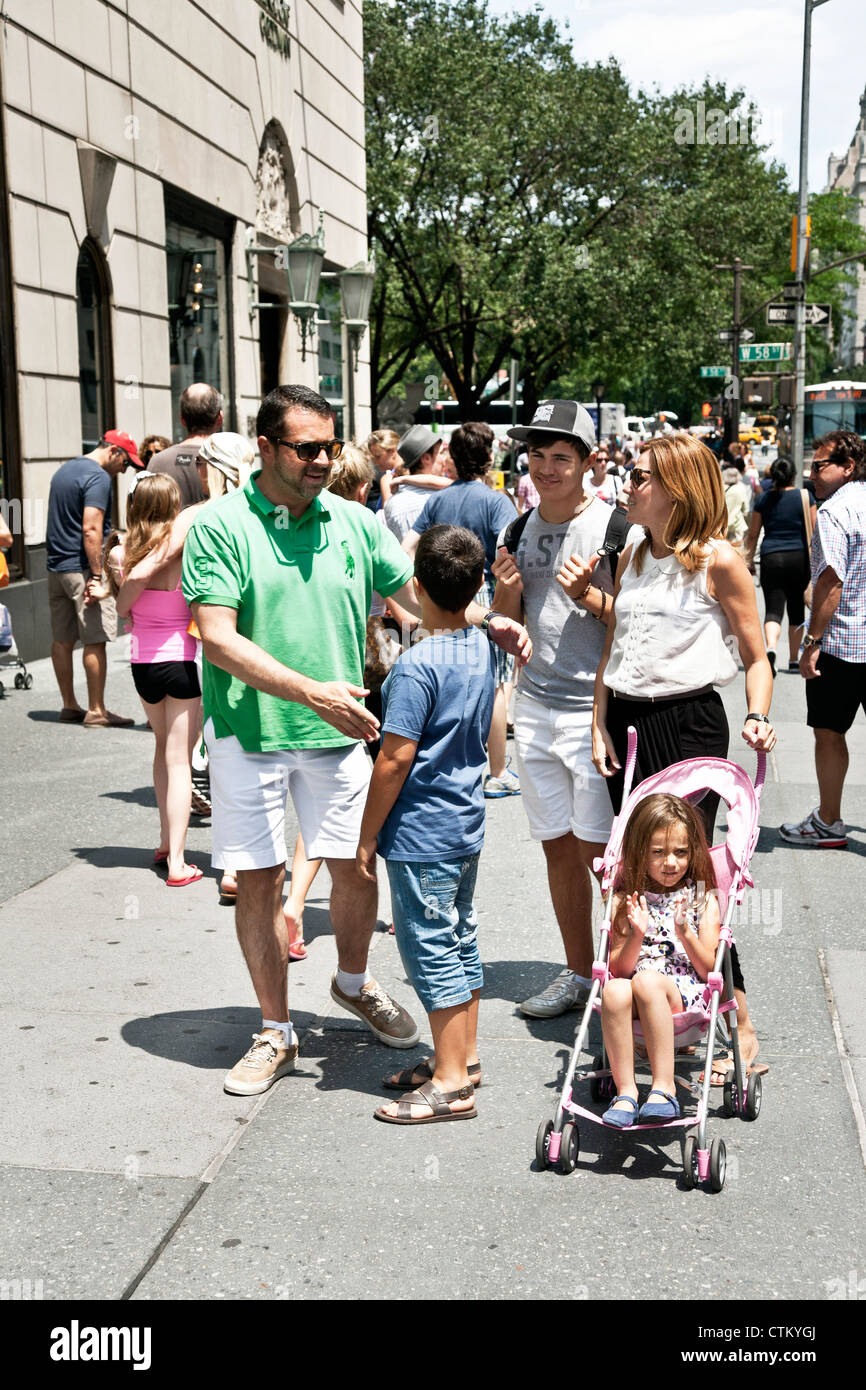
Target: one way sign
[785, 313]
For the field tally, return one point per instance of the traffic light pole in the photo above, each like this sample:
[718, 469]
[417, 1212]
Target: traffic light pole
[732, 390]
[799, 411]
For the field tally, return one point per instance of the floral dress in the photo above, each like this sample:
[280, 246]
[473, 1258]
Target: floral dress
[661, 949]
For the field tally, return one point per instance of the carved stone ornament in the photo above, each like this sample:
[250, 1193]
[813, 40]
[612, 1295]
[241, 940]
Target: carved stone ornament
[273, 208]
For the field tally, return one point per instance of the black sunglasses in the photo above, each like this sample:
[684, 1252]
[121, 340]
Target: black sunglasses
[309, 452]
[639, 476]
[821, 464]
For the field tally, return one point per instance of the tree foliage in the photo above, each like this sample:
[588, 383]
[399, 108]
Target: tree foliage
[523, 204]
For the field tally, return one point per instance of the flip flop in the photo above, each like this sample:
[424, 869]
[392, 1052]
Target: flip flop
[230, 894]
[160, 856]
[192, 877]
[404, 1080]
[726, 1065]
[297, 949]
[437, 1101]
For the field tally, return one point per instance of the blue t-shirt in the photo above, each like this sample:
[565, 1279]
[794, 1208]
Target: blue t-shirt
[782, 515]
[78, 484]
[474, 505]
[440, 694]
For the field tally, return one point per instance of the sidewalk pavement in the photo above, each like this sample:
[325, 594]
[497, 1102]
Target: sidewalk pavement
[127, 1172]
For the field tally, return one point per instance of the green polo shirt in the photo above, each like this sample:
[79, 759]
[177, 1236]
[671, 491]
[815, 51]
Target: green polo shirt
[302, 589]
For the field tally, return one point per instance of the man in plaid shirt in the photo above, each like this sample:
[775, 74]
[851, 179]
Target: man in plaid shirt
[833, 658]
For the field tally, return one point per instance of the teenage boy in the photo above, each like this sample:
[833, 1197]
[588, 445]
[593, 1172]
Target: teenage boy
[425, 816]
[554, 582]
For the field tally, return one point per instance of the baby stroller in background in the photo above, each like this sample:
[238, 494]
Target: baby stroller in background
[557, 1141]
[9, 654]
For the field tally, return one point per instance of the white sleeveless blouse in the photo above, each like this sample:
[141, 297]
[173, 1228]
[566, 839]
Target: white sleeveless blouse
[672, 636]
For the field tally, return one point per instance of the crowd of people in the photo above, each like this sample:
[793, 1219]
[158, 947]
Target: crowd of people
[344, 624]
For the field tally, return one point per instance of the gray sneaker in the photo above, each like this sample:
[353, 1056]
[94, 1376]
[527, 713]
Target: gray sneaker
[390, 1023]
[566, 992]
[506, 785]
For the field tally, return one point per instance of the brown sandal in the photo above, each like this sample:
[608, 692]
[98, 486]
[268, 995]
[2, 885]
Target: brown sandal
[438, 1101]
[424, 1069]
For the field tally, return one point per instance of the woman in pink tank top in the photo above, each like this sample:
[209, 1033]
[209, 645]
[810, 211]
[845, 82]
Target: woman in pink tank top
[145, 569]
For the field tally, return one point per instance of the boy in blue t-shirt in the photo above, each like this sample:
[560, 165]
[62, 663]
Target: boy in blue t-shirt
[425, 815]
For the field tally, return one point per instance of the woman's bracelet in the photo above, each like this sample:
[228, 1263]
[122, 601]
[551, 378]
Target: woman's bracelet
[599, 617]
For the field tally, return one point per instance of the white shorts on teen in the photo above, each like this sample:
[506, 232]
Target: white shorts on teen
[561, 789]
[328, 787]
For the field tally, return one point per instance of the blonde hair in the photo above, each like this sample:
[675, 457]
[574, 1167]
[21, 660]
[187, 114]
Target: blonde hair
[351, 471]
[690, 475]
[150, 512]
[381, 439]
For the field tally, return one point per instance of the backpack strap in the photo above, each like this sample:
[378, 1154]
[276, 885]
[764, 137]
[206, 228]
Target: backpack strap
[515, 529]
[612, 546]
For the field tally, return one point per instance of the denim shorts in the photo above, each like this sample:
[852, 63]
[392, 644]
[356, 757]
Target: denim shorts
[436, 929]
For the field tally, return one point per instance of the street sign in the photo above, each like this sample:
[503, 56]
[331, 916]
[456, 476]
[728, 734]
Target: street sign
[784, 313]
[726, 335]
[765, 352]
[747, 335]
[714, 371]
[794, 289]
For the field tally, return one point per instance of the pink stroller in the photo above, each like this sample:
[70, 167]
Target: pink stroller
[557, 1141]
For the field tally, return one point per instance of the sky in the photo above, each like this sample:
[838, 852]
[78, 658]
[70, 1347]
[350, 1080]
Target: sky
[757, 46]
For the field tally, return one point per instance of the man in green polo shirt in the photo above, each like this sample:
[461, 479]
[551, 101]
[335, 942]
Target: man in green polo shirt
[280, 580]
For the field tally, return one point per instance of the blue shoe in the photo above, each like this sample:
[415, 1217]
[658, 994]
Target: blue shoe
[620, 1119]
[652, 1113]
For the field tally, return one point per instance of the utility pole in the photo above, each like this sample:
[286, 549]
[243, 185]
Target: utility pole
[799, 411]
[732, 390]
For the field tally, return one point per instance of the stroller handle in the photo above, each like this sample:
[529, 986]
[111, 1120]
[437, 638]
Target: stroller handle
[760, 772]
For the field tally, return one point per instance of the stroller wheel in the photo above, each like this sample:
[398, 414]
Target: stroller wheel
[569, 1148]
[28, 681]
[752, 1107]
[19, 681]
[731, 1099]
[542, 1143]
[718, 1165]
[690, 1160]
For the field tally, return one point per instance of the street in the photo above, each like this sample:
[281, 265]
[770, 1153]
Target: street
[127, 1172]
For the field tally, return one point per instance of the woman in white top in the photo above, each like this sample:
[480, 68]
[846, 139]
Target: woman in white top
[684, 607]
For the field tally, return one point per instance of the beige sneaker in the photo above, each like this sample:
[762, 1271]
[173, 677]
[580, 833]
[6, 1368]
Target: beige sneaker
[259, 1068]
[386, 1020]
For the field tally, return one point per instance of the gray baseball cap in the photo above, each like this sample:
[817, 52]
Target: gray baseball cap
[416, 442]
[559, 418]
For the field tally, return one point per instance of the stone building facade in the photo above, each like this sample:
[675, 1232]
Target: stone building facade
[848, 171]
[145, 144]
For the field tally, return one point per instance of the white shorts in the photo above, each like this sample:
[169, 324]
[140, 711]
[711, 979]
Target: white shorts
[561, 789]
[328, 787]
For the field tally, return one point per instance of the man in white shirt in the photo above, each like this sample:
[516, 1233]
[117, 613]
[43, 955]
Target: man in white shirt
[419, 449]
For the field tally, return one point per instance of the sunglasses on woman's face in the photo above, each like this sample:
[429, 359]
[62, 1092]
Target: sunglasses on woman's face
[308, 452]
[639, 476]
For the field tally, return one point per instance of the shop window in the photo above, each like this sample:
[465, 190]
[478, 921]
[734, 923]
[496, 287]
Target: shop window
[94, 346]
[196, 263]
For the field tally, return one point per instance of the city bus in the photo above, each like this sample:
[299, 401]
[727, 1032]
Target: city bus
[834, 405]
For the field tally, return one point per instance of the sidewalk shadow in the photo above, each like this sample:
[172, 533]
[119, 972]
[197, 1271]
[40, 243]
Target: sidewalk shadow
[140, 796]
[133, 857]
[48, 716]
[208, 1039]
[507, 980]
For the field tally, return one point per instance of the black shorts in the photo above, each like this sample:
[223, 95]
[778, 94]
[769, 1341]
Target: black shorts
[784, 576]
[155, 679]
[670, 731]
[834, 697]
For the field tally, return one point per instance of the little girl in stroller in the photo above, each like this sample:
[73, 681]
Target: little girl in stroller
[664, 938]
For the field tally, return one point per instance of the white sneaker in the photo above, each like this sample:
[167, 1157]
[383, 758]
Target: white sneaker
[812, 831]
[566, 992]
[506, 785]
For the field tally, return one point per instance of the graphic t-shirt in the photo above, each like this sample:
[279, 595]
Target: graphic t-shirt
[440, 694]
[179, 462]
[567, 641]
[302, 588]
[78, 484]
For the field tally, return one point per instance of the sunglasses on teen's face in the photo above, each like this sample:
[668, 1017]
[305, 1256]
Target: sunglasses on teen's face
[309, 451]
[639, 476]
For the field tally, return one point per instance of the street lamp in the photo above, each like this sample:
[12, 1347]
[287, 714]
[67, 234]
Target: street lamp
[356, 292]
[304, 257]
[598, 390]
